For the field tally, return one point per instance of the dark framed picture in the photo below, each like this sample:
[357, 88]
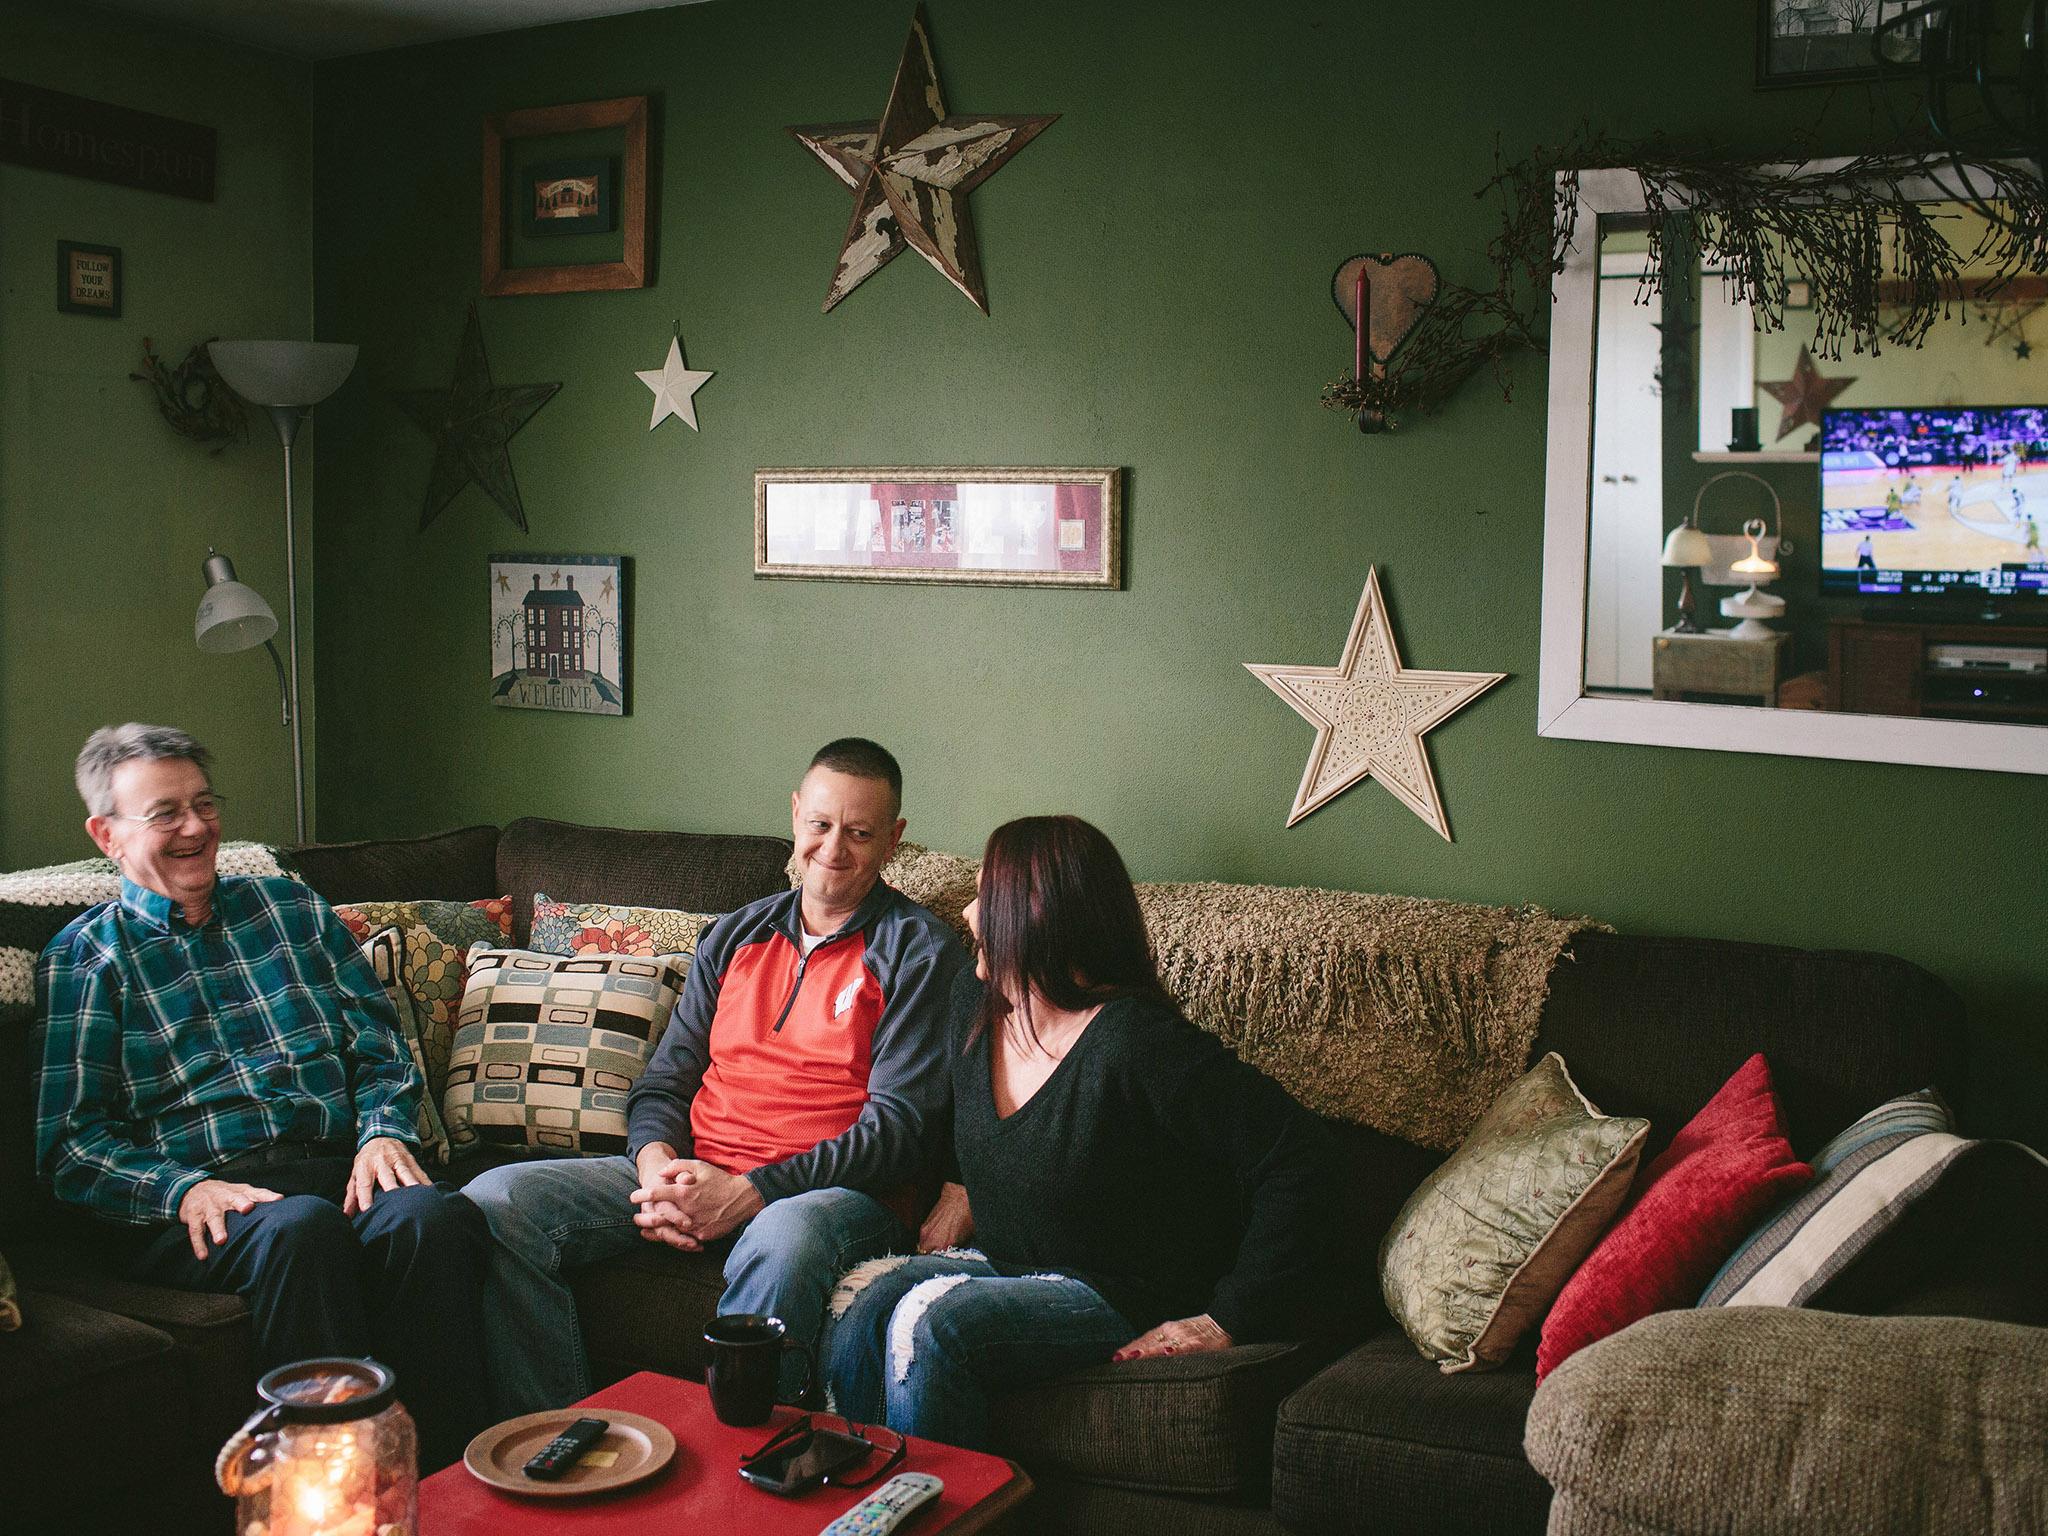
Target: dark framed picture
[89, 279]
[565, 197]
[624, 119]
[1823, 42]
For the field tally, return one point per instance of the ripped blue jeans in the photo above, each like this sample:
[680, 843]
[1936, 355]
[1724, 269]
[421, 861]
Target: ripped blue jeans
[923, 1344]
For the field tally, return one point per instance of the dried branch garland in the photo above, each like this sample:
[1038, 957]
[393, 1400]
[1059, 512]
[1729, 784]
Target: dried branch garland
[1880, 267]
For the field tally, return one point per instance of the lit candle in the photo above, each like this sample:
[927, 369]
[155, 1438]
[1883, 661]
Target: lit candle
[1358, 366]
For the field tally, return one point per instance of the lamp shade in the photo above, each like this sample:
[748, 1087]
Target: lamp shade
[292, 373]
[1687, 546]
[231, 617]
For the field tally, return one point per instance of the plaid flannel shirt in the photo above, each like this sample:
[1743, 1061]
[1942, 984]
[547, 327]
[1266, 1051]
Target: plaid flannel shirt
[169, 1049]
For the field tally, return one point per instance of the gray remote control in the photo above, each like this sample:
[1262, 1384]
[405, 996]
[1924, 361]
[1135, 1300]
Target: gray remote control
[895, 1503]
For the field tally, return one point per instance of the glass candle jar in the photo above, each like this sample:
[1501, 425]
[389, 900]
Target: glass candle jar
[331, 1453]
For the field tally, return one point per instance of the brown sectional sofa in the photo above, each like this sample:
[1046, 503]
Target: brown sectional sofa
[1361, 1437]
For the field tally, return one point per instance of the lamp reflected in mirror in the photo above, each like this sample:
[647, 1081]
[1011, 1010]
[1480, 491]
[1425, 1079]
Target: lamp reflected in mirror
[1686, 550]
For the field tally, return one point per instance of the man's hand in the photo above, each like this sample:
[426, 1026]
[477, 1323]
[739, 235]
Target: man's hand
[691, 1199]
[950, 1223]
[205, 1206]
[1188, 1336]
[384, 1162]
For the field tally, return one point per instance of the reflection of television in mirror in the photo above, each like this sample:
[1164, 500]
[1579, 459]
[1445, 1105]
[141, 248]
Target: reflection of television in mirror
[1936, 506]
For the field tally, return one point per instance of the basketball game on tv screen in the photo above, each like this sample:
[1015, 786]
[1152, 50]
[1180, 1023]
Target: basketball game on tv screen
[1935, 501]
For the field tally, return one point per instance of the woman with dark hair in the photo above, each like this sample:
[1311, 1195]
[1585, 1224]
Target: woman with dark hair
[1135, 1189]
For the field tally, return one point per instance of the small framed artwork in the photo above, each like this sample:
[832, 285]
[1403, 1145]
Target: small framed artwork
[509, 202]
[1014, 527]
[1824, 42]
[568, 197]
[558, 633]
[1799, 294]
[89, 279]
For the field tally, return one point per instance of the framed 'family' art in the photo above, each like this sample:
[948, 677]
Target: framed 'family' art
[558, 636]
[1023, 527]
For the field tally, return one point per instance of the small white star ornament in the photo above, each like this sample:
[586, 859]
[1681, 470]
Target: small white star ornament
[675, 388]
[1370, 713]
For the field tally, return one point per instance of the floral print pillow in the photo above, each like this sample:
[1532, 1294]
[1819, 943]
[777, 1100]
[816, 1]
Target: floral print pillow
[597, 928]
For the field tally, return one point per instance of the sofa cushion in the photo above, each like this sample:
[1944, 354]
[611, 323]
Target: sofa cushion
[1773, 1421]
[600, 928]
[1199, 1425]
[1383, 1441]
[1488, 1240]
[548, 1046]
[446, 866]
[1695, 1202]
[67, 1345]
[1653, 1026]
[645, 1310]
[687, 871]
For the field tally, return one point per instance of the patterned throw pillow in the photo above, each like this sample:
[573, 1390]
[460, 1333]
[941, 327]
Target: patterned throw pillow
[10, 1309]
[1490, 1238]
[438, 934]
[385, 951]
[1698, 1198]
[1864, 1181]
[547, 1047]
[595, 928]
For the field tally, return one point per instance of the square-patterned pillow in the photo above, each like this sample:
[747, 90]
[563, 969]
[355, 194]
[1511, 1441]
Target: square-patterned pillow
[597, 928]
[548, 1046]
[1484, 1246]
[385, 950]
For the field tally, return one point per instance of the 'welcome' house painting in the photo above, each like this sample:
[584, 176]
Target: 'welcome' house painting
[558, 636]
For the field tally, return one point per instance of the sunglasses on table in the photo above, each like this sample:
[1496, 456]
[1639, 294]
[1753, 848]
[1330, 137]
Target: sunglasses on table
[806, 1452]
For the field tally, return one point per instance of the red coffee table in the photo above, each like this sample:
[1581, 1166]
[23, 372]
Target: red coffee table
[703, 1483]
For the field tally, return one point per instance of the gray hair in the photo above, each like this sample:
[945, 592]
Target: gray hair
[112, 745]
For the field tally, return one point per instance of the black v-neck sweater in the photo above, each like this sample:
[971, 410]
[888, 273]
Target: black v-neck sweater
[1156, 1167]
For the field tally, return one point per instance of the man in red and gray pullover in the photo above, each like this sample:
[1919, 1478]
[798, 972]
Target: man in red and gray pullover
[786, 1102]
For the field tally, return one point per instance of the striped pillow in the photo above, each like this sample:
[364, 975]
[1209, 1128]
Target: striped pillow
[1863, 1180]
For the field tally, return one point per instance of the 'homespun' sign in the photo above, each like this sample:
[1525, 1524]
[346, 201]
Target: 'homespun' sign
[55, 132]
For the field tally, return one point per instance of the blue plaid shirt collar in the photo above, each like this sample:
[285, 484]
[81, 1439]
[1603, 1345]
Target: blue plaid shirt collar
[155, 909]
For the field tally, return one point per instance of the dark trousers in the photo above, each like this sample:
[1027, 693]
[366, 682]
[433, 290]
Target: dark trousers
[401, 1281]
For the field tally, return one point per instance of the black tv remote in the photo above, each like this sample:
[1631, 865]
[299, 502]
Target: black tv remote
[561, 1453]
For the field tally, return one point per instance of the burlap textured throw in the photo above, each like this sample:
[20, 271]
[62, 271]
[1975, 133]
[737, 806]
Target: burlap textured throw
[1396, 1012]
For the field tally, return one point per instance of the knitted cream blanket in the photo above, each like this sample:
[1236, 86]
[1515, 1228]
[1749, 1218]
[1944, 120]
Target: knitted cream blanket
[1396, 1012]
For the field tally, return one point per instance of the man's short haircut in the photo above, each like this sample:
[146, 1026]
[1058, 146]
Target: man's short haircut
[862, 759]
[112, 745]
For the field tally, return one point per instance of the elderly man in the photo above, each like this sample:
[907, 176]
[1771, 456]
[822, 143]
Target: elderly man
[225, 1097]
[786, 1102]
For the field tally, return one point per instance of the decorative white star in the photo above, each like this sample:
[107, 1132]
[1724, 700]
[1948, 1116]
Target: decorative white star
[675, 388]
[1370, 713]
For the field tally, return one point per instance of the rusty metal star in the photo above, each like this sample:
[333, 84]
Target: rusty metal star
[1805, 395]
[911, 174]
[471, 422]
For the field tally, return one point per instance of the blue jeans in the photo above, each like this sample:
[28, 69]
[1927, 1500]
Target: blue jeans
[547, 1218]
[924, 1343]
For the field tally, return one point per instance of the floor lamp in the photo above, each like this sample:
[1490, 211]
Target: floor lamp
[286, 378]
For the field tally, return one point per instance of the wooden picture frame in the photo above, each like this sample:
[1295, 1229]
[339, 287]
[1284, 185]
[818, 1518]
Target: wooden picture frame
[500, 128]
[89, 279]
[1011, 526]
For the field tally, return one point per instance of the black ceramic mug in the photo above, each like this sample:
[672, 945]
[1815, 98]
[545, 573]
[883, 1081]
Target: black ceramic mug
[746, 1363]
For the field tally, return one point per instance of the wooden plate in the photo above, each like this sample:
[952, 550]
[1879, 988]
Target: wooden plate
[643, 1446]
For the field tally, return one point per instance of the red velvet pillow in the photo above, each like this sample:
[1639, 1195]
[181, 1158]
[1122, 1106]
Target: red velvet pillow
[1700, 1197]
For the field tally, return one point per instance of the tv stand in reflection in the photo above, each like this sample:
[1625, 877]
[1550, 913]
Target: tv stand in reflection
[1886, 667]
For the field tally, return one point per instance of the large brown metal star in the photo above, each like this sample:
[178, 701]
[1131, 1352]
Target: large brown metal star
[471, 422]
[912, 172]
[1805, 395]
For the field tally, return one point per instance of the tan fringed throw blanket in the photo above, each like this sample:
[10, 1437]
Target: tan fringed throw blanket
[1396, 1012]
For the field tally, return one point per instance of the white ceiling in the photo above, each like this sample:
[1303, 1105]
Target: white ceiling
[332, 29]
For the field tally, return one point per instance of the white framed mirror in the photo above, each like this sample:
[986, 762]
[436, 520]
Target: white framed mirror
[1867, 643]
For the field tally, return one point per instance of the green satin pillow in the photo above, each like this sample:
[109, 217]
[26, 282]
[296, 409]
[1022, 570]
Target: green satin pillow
[1481, 1250]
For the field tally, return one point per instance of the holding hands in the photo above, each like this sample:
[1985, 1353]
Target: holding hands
[1188, 1336]
[685, 1202]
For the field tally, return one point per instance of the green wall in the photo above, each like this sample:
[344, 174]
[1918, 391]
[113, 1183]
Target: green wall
[1158, 265]
[105, 513]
